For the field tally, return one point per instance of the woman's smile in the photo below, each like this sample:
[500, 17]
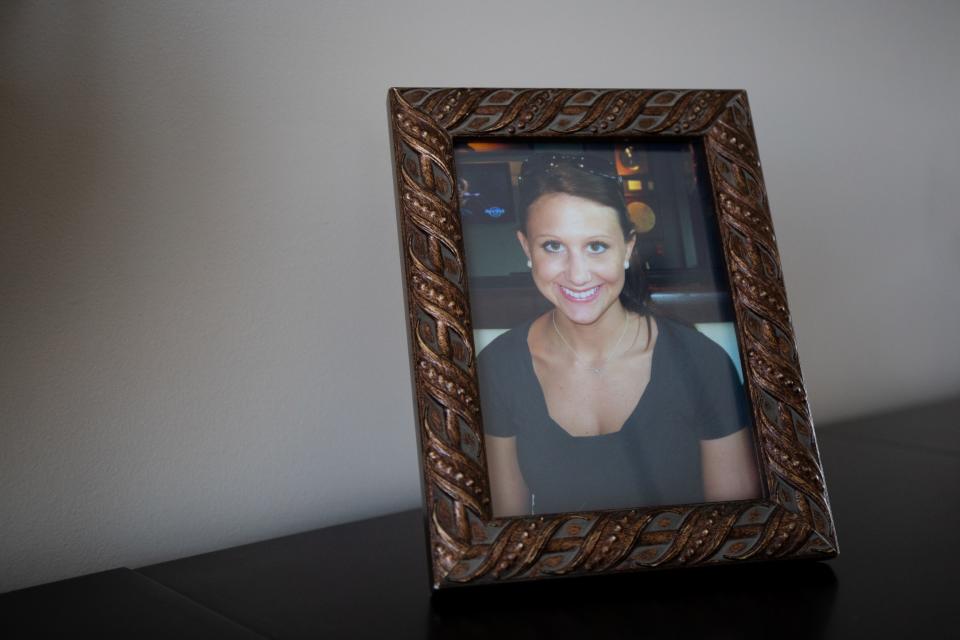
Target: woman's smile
[582, 295]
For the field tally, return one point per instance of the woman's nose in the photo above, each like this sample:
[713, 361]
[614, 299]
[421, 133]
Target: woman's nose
[577, 271]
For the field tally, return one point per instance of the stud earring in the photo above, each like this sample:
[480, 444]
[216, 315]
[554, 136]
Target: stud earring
[529, 265]
[626, 264]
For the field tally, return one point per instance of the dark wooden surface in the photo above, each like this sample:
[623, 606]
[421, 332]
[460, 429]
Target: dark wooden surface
[894, 482]
[115, 603]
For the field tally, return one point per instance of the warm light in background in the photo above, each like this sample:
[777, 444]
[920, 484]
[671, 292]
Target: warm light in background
[482, 147]
[642, 216]
[630, 161]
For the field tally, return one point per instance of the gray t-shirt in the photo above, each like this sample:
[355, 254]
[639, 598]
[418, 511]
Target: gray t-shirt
[694, 394]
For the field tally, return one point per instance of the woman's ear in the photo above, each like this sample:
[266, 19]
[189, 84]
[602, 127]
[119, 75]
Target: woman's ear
[631, 242]
[523, 243]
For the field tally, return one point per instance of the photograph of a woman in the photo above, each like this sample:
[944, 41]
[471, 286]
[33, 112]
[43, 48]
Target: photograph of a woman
[598, 401]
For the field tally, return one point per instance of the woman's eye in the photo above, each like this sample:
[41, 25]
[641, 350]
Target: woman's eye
[552, 246]
[597, 247]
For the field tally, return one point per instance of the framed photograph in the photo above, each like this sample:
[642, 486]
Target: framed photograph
[604, 370]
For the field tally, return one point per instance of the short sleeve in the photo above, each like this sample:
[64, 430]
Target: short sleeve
[722, 408]
[493, 371]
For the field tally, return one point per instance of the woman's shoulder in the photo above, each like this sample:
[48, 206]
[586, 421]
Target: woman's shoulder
[676, 329]
[686, 339]
[506, 347]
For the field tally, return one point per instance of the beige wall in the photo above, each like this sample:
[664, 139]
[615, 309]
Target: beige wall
[202, 340]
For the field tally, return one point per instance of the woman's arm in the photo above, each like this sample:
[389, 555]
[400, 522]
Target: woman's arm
[510, 494]
[729, 468]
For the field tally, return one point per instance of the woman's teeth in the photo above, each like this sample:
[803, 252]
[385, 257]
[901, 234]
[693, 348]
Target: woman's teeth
[579, 295]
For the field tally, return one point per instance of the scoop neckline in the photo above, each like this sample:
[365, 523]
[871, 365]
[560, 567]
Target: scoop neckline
[528, 361]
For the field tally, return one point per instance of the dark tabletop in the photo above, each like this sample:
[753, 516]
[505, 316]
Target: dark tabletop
[894, 483]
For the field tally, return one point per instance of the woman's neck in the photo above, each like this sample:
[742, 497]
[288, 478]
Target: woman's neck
[595, 340]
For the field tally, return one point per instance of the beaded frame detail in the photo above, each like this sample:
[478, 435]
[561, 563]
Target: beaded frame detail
[467, 544]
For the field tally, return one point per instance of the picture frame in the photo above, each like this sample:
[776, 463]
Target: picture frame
[468, 544]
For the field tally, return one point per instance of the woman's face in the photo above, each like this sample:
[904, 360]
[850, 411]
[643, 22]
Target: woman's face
[577, 250]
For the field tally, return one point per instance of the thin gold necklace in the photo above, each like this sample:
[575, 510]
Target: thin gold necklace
[576, 357]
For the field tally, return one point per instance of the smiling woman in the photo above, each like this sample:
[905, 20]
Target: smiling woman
[598, 401]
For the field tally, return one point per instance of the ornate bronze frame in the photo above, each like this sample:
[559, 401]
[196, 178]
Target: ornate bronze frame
[466, 544]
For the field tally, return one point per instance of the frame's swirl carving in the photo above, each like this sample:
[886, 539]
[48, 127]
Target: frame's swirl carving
[467, 544]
